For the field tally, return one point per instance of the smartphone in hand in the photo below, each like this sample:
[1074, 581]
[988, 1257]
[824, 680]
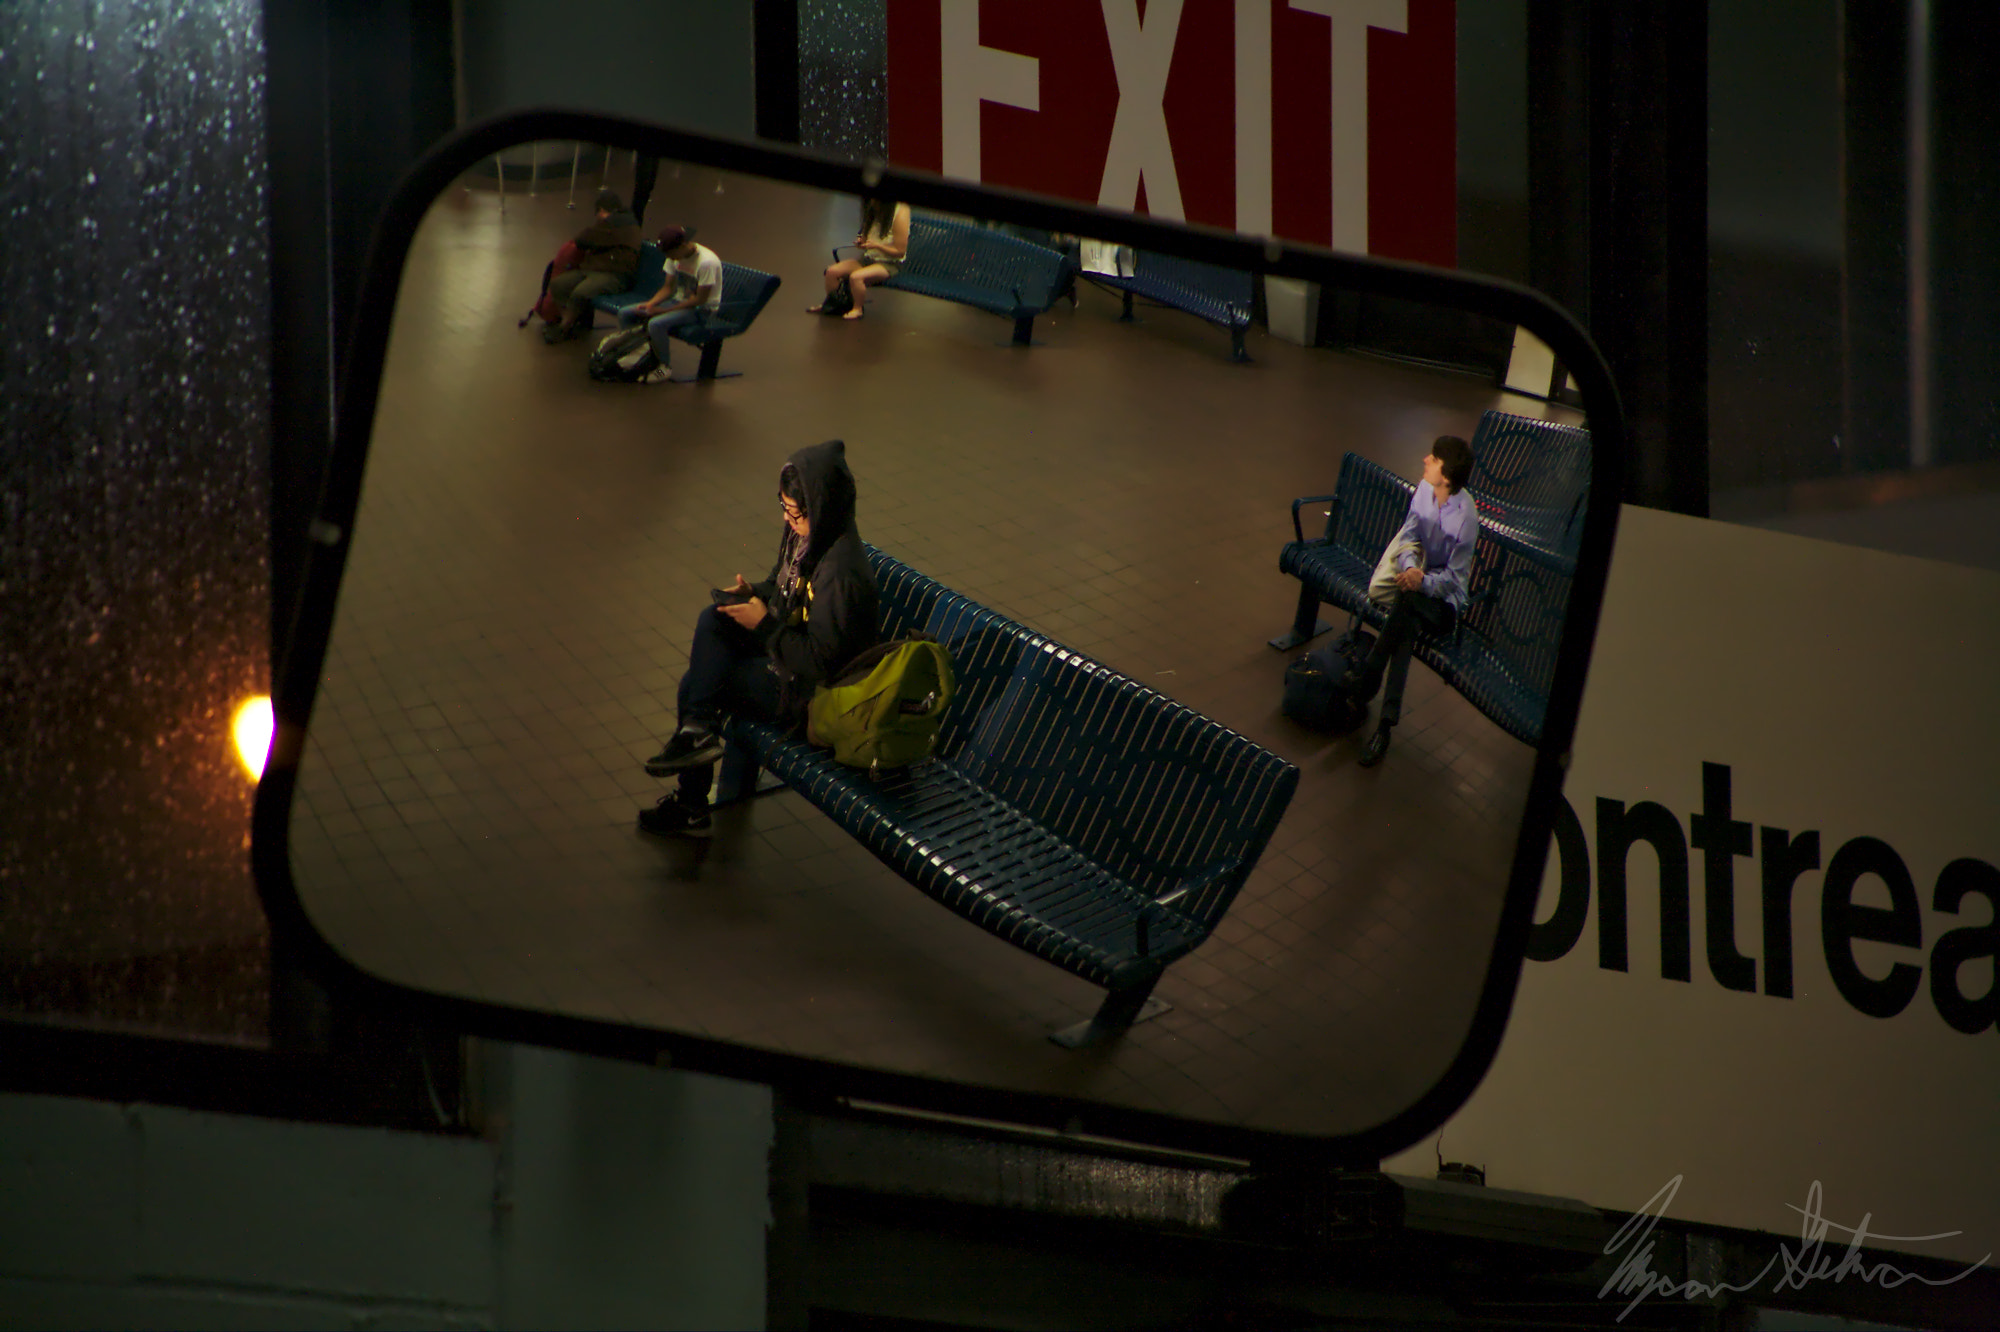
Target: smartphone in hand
[723, 596]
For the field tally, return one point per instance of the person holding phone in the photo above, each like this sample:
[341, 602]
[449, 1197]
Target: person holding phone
[884, 242]
[1427, 574]
[762, 648]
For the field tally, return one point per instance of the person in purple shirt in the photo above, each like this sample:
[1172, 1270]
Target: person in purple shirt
[1427, 569]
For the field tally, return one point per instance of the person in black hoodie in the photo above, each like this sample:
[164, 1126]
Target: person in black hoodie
[763, 647]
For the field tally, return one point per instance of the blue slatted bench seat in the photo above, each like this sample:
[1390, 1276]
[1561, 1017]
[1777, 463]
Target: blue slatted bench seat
[1207, 291]
[1071, 811]
[745, 293]
[1501, 656]
[651, 274]
[981, 267]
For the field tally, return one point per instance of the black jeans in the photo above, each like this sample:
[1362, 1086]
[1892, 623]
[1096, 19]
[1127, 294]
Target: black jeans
[728, 672]
[1414, 613]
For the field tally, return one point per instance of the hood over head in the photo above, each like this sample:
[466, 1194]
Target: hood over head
[829, 489]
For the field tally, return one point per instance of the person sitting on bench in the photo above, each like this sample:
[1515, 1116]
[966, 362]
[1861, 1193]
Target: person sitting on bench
[610, 256]
[1425, 572]
[884, 242]
[693, 279]
[762, 648]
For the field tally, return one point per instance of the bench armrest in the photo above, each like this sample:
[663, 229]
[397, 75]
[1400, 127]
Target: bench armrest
[1166, 905]
[1306, 499]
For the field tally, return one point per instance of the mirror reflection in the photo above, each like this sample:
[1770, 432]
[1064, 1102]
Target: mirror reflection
[605, 550]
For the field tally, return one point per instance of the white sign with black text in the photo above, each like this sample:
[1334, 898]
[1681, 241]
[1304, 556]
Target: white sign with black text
[1764, 957]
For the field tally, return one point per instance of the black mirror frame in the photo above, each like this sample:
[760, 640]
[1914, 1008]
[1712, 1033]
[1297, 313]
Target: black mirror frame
[297, 672]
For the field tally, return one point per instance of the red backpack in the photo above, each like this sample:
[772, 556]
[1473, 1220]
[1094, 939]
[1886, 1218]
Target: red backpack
[567, 257]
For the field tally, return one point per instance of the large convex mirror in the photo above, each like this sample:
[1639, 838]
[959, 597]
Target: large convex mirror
[1094, 514]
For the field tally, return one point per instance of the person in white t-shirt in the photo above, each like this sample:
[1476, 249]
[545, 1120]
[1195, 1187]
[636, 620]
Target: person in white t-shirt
[691, 294]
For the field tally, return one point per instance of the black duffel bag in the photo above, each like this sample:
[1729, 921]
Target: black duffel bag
[1314, 697]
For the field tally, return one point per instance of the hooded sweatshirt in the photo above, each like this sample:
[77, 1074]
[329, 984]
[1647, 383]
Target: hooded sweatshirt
[610, 245]
[825, 611]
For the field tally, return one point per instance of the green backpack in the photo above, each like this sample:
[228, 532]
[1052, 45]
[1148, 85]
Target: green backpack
[885, 709]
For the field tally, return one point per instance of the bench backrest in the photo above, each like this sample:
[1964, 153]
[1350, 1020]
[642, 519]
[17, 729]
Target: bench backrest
[951, 251]
[1222, 294]
[1512, 626]
[1531, 477]
[1505, 652]
[652, 270]
[745, 292]
[1150, 790]
[1369, 504]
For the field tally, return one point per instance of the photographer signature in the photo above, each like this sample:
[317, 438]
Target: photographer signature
[1809, 1262]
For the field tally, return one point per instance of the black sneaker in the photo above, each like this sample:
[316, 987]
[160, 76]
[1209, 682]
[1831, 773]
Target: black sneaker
[671, 818]
[694, 744]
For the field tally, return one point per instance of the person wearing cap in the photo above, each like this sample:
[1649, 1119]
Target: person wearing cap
[691, 294]
[609, 250]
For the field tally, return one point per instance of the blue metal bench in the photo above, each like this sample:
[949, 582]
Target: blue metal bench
[745, 293]
[981, 267]
[650, 276]
[1207, 291]
[1501, 656]
[1071, 811]
[1530, 478]
[1530, 481]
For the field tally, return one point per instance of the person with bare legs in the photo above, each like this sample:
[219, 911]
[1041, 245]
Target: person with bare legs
[884, 242]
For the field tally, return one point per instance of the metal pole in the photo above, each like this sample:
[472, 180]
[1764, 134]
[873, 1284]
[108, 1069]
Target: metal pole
[500, 172]
[534, 167]
[576, 156]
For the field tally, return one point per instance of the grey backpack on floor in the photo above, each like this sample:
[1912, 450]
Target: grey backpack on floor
[623, 357]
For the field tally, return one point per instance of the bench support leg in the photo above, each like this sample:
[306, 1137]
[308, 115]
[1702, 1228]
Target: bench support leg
[1120, 1010]
[1126, 316]
[1236, 351]
[711, 357]
[1024, 331]
[1306, 624]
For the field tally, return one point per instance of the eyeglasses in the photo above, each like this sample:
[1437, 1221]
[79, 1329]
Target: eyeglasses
[792, 512]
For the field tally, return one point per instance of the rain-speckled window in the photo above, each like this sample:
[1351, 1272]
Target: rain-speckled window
[843, 77]
[134, 583]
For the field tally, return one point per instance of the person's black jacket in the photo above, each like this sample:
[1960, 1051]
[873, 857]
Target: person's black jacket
[610, 245]
[834, 613]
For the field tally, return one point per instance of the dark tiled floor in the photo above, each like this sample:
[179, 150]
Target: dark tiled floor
[533, 547]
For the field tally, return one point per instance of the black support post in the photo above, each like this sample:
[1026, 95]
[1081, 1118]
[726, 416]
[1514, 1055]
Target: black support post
[1874, 278]
[1648, 256]
[355, 92]
[776, 23]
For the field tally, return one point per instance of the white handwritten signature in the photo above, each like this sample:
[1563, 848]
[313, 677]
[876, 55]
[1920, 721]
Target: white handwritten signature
[1634, 1275]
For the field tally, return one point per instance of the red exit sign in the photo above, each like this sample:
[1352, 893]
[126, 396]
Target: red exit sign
[1327, 121]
